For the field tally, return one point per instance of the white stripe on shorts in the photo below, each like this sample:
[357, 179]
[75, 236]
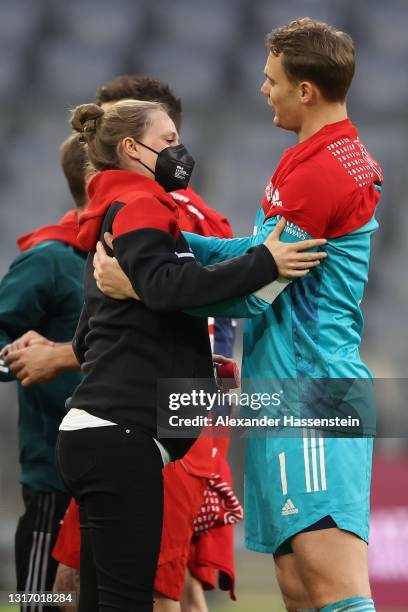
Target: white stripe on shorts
[314, 460]
[283, 473]
[306, 460]
[322, 462]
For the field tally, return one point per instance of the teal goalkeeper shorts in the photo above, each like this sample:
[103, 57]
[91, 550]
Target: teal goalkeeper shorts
[291, 483]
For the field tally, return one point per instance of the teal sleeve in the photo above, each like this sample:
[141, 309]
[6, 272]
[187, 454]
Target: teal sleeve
[239, 308]
[209, 251]
[220, 249]
[214, 250]
[25, 291]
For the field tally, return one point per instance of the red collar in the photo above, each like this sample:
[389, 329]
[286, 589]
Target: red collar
[112, 186]
[65, 231]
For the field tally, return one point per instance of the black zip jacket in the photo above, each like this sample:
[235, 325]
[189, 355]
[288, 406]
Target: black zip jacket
[126, 346]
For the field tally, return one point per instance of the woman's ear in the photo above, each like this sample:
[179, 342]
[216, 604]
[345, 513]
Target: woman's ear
[130, 148]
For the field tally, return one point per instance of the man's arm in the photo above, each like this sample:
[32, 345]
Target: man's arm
[25, 292]
[211, 250]
[246, 307]
[257, 303]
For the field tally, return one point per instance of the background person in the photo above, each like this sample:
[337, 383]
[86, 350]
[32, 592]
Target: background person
[43, 291]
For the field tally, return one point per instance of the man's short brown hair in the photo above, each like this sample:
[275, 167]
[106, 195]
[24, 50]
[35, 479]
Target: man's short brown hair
[74, 162]
[314, 51]
[141, 87]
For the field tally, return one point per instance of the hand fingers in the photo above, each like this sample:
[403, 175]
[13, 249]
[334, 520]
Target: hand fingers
[32, 335]
[296, 273]
[11, 357]
[309, 256]
[11, 348]
[25, 380]
[40, 341]
[32, 338]
[104, 288]
[108, 238]
[303, 265]
[304, 245]
[280, 226]
[99, 253]
[19, 345]
[16, 366]
[108, 291]
[27, 339]
[21, 373]
[221, 358]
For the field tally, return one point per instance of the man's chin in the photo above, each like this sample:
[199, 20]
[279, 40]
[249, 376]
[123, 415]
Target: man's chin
[277, 122]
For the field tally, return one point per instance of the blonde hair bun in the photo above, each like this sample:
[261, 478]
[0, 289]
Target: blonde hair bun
[84, 117]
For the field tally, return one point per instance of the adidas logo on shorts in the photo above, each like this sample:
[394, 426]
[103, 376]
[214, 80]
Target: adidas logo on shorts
[289, 508]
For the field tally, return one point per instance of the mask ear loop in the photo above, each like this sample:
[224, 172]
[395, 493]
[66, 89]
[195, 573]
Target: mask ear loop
[150, 149]
[145, 166]
[146, 146]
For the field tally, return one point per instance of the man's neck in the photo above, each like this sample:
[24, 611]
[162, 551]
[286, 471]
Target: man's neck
[316, 121]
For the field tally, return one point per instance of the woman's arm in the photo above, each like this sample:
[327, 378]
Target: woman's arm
[292, 260]
[148, 257]
[164, 273]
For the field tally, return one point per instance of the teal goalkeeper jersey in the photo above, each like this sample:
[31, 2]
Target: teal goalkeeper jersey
[314, 325]
[310, 328]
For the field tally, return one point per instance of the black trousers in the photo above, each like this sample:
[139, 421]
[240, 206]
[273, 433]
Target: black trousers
[115, 474]
[35, 538]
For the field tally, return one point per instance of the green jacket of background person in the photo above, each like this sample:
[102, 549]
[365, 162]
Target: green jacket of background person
[43, 291]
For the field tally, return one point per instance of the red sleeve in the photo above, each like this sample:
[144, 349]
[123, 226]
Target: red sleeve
[145, 213]
[218, 225]
[223, 229]
[214, 223]
[306, 199]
